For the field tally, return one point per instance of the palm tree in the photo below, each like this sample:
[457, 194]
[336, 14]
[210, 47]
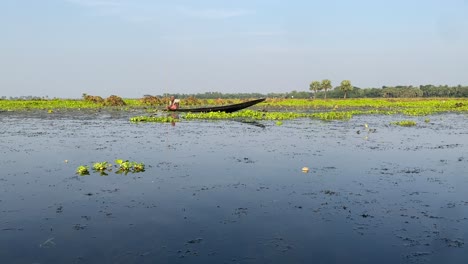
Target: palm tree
[326, 84]
[346, 87]
[314, 86]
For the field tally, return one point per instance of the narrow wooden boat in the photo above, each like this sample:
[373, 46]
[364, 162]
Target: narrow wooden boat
[224, 108]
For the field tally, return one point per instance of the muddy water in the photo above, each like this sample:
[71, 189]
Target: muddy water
[230, 192]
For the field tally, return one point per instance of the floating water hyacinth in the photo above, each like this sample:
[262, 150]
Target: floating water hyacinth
[101, 166]
[82, 170]
[121, 166]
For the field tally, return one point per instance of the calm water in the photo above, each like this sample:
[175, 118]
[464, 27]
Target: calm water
[231, 192]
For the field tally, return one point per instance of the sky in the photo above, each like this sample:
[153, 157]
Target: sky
[64, 48]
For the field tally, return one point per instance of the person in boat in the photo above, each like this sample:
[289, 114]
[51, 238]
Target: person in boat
[173, 104]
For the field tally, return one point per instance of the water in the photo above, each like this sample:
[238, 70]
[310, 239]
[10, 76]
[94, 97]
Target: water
[231, 192]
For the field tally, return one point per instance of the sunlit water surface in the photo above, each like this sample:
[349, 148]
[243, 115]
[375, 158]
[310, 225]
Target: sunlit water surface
[232, 192]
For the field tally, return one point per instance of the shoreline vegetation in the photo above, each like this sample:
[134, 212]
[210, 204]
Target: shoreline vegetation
[318, 89]
[271, 109]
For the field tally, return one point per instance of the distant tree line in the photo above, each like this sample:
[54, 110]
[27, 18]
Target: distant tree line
[216, 95]
[325, 85]
[401, 91]
[324, 89]
[26, 97]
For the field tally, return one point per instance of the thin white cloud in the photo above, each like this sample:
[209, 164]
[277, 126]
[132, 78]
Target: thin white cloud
[211, 13]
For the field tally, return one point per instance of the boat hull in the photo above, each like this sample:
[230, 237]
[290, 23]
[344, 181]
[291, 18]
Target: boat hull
[224, 108]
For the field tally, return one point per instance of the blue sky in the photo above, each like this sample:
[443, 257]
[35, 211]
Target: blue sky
[63, 48]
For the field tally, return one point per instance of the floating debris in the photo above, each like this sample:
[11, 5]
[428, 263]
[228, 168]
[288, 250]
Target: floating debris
[453, 242]
[48, 243]
[329, 192]
[195, 241]
[79, 227]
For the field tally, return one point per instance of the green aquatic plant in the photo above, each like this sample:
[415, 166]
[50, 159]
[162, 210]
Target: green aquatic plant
[411, 107]
[156, 119]
[252, 115]
[333, 115]
[82, 170]
[138, 167]
[405, 123]
[427, 120]
[101, 166]
[129, 166]
[336, 113]
[123, 166]
[246, 114]
[279, 123]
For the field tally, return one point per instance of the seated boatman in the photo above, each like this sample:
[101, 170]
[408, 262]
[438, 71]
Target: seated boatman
[173, 104]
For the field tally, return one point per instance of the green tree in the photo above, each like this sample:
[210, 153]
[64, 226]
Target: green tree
[326, 84]
[314, 86]
[346, 87]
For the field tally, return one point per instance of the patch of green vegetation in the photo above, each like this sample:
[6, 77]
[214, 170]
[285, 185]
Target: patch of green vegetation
[260, 115]
[121, 166]
[127, 166]
[405, 123]
[246, 114]
[156, 119]
[82, 170]
[332, 116]
[276, 109]
[138, 167]
[56, 104]
[452, 104]
[101, 166]
[249, 114]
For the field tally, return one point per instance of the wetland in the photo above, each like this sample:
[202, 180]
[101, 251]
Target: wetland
[230, 188]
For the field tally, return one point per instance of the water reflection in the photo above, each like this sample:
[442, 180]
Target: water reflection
[250, 122]
[174, 116]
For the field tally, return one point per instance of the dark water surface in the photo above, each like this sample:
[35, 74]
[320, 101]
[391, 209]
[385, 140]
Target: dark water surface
[230, 192]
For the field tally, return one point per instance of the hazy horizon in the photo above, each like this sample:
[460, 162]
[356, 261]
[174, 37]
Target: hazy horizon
[63, 48]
